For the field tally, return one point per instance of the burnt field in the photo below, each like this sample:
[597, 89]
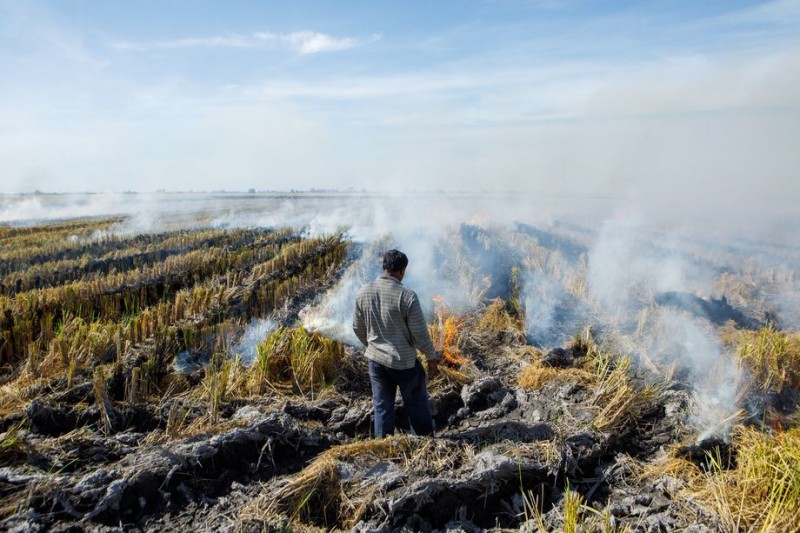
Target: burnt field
[200, 374]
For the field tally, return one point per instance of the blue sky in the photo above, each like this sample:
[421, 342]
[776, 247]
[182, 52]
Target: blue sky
[627, 98]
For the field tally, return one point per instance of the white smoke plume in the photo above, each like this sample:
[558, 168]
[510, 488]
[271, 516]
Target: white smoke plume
[332, 316]
[629, 272]
[716, 377]
[618, 269]
[247, 346]
[543, 299]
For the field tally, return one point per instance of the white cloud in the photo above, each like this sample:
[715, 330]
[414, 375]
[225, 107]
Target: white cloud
[223, 41]
[310, 42]
[303, 42]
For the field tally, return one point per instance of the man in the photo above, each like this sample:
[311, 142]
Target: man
[388, 320]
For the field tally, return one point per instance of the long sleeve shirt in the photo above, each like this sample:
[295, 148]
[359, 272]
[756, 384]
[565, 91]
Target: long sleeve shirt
[388, 320]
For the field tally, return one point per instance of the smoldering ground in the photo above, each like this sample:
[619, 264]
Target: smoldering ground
[662, 294]
[657, 288]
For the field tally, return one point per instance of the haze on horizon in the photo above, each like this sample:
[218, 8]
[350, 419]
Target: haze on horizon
[692, 105]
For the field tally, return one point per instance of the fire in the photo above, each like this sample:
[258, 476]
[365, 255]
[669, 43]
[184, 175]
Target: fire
[774, 422]
[446, 332]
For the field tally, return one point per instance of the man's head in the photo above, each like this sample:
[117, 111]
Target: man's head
[395, 263]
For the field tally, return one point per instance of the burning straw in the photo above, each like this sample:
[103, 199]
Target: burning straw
[446, 333]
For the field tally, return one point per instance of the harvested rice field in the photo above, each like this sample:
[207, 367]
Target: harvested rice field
[192, 367]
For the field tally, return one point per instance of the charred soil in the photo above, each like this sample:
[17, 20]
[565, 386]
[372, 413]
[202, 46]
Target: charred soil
[103, 430]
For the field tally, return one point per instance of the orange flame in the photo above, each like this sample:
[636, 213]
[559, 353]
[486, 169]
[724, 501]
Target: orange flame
[774, 423]
[446, 333]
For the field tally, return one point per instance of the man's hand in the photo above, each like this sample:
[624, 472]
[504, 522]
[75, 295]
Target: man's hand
[433, 368]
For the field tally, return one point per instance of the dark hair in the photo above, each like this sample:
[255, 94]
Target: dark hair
[394, 261]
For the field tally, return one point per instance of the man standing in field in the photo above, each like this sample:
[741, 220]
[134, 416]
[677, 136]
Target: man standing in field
[388, 320]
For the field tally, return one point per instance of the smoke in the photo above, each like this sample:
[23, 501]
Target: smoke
[629, 264]
[144, 212]
[651, 289]
[246, 347]
[579, 262]
[333, 315]
[541, 297]
[20, 209]
[629, 268]
[552, 317]
[425, 229]
[717, 379]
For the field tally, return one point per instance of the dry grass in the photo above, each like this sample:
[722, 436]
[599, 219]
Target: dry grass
[322, 481]
[17, 394]
[318, 495]
[617, 399]
[616, 396]
[13, 446]
[576, 284]
[532, 513]
[771, 357]
[449, 376]
[497, 318]
[762, 493]
[102, 400]
[178, 420]
[185, 427]
[535, 376]
[740, 290]
[614, 392]
[307, 360]
[215, 385]
[547, 452]
[77, 344]
[583, 342]
[576, 515]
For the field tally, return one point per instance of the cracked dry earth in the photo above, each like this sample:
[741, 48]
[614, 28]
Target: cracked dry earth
[505, 458]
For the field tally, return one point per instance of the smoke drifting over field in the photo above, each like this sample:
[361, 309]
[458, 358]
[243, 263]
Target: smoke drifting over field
[256, 332]
[628, 274]
[657, 290]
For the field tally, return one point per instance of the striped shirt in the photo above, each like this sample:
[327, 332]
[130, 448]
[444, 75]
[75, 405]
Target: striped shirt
[388, 320]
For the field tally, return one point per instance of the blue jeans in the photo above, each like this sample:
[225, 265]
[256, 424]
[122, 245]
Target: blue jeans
[385, 382]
